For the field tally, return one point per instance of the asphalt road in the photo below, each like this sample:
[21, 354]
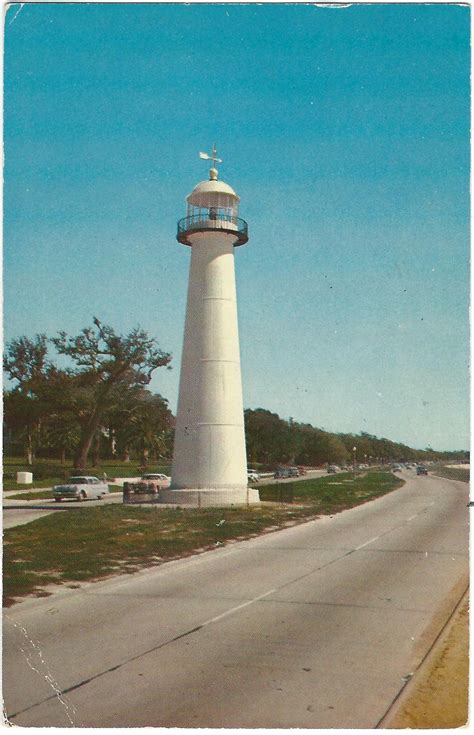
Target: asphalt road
[315, 626]
[21, 512]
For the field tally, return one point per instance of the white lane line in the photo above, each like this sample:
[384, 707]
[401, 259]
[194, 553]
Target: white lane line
[366, 543]
[237, 607]
[412, 517]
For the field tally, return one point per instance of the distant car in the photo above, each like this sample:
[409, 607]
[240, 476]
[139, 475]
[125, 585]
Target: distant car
[332, 469]
[252, 476]
[396, 468]
[293, 472]
[281, 473]
[157, 477]
[81, 487]
[302, 470]
[421, 470]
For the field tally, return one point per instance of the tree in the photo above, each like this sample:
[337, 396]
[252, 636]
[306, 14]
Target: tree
[266, 436]
[321, 447]
[25, 362]
[23, 414]
[108, 366]
[62, 432]
[144, 426]
[106, 369]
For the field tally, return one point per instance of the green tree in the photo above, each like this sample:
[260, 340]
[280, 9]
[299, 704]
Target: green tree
[62, 432]
[25, 363]
[266, 437]
[144, 426]
[23, 415]
[105, 369]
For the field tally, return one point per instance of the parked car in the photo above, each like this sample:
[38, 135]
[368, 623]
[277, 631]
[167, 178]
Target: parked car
[396, 468]
[281, 473]
[81, 487]
[157, 477]
[421, 470]
[302, 470]
[252, 476]
[293, 472]
[147, 488]
[332, 469]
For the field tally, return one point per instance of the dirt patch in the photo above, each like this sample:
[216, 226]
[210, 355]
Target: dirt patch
[438, 694]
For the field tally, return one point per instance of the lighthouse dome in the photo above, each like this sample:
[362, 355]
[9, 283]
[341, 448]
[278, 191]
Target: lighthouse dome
[207, 192]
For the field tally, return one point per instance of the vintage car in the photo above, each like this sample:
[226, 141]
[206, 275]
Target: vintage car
[158, 477]
[81, 487]
[145, 489]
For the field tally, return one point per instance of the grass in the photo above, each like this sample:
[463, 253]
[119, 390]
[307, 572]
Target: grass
[451, 473]
[92, 543]
[13, 485]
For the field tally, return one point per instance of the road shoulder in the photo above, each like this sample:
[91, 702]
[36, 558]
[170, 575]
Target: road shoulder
[437, 695]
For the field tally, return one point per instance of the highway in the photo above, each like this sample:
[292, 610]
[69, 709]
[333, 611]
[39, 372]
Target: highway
[317, 626]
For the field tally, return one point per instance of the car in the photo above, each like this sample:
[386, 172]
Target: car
[293, 472]
[396, 468]
[252, 476]
[421, 470]
[332, 469]
[157, 477]
[81, 487]
[281, 473]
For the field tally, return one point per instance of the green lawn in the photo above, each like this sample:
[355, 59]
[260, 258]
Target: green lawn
[10, 485]
[92, 543]
[451, 473]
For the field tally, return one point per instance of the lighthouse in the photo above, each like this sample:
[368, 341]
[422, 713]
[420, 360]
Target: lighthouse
[209, 459]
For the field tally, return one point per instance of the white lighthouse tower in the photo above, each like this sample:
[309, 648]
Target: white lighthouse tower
[209, 461]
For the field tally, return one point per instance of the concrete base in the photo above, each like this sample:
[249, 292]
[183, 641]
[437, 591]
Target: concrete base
[209, 497]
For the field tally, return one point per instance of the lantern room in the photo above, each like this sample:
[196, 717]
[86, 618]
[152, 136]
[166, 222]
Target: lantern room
[212, 205]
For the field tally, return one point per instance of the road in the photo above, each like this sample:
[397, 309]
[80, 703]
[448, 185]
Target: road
[316, 626]
[21, 512]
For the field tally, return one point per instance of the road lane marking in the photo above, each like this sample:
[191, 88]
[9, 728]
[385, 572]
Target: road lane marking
[412, 517]
[366, 543]
[237, 607]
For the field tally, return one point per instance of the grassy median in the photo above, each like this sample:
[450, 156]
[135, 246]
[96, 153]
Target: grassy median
[68, 547]
[451, 473]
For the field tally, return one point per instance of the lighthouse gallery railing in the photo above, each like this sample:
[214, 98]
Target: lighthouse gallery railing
[209, 221]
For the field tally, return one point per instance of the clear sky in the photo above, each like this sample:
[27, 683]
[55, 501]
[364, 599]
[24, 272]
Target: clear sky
[345, 131]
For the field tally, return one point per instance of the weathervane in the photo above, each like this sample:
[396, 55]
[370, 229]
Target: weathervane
[212, 158]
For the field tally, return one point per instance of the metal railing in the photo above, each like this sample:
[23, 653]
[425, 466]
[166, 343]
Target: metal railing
[210, 221]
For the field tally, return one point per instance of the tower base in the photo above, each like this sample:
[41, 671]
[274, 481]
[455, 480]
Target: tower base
[209, 497]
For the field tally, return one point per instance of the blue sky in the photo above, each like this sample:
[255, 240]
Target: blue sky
[346, 134]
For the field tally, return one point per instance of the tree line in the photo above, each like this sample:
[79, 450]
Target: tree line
[272, 440]
[89, 401]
